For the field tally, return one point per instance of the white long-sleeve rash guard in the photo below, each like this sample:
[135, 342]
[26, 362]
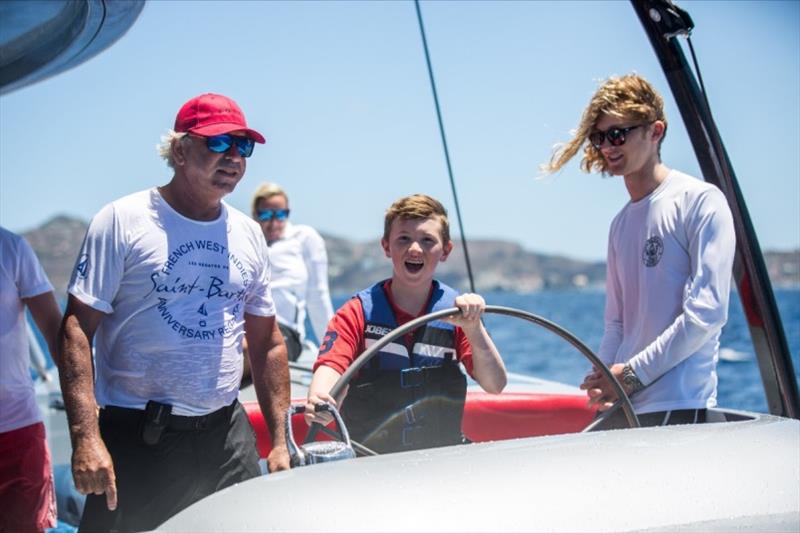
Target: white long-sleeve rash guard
[670, 257]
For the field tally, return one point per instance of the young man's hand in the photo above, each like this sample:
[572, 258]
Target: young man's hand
[599, 389]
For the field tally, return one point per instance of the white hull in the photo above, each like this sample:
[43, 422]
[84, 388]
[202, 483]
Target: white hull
[711, 477]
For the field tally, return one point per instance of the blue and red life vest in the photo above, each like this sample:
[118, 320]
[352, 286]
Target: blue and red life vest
[433, 343]
[410, 395]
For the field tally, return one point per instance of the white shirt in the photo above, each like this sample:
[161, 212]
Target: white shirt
[300, 279]
[21, 276]
[670, 257]
[175, 292]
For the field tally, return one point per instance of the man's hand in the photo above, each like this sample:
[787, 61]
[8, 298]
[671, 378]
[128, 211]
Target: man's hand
[278, 459]
[92, 467]
[93, 470]
[270, 370]
[599, 389]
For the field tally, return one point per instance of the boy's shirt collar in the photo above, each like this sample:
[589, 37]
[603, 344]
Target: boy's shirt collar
[400, 315]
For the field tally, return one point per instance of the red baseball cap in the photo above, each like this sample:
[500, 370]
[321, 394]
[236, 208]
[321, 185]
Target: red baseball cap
[213, 114]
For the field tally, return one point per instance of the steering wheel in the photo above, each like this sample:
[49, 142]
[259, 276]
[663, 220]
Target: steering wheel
[340, 386]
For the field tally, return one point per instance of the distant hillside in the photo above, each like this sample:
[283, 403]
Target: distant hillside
[56, 243]
[496, 264]
[783, 267]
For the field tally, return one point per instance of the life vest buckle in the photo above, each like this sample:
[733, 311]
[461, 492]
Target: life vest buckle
[411, 377]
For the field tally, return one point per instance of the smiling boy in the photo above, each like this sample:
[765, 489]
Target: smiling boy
[410, 395]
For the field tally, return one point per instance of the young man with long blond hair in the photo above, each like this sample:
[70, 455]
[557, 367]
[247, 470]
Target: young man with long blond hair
[670, 256]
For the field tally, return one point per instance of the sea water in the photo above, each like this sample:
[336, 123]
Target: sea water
[530, 349]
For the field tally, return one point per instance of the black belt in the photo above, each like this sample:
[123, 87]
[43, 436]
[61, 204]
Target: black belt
[673, 418]
[115, 414]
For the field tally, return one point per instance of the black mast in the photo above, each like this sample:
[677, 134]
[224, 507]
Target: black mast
[662, 21]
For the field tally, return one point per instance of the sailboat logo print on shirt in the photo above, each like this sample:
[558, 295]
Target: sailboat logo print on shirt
[82, 268]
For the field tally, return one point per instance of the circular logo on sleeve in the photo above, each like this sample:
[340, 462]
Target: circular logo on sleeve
[653, 250]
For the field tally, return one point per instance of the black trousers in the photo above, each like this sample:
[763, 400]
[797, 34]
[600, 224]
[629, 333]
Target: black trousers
[660, 418]
[155, 482]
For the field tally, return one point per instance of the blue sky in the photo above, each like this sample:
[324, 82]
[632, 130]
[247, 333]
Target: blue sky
[340, 89]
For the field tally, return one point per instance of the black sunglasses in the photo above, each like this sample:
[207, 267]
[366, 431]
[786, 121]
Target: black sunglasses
[615, 136]
[219, 144]
[265, 215]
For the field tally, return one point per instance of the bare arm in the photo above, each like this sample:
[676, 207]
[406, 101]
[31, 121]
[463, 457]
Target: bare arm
[487, 365]
[323, 381]
[47, 315]
[92, 466]
[247, 378]
[269, 366]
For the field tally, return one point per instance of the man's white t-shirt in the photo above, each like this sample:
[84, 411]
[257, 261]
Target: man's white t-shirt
[175, 292]
[670, 257]
[21, 276]
[300, 279]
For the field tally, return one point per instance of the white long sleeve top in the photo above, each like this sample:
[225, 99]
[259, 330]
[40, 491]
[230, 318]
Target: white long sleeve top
[670, 257]
[300, 279]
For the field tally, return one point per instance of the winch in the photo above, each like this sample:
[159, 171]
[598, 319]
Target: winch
[322, 451]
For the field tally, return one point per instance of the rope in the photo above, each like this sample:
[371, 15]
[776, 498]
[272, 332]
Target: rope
[444, 145]
[699, 76]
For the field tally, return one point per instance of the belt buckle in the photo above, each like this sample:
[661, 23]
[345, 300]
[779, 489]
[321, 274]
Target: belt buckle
[201, 423]
[411, 377]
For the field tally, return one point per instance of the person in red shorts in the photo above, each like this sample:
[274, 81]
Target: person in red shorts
[411, 394]
[27, 496]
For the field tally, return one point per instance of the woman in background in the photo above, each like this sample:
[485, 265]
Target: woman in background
[299, 264]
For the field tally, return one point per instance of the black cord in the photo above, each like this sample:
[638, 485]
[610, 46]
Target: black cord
[444, 144]
[699, 76]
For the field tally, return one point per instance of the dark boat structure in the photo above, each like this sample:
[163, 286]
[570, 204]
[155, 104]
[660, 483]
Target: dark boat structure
[43, 38]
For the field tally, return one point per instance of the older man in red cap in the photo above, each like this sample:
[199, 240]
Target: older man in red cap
[168, 283]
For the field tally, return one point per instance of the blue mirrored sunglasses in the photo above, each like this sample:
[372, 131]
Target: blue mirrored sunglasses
[222, 143]
[265, 215]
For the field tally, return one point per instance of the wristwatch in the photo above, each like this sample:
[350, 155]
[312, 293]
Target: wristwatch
[631, 380]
